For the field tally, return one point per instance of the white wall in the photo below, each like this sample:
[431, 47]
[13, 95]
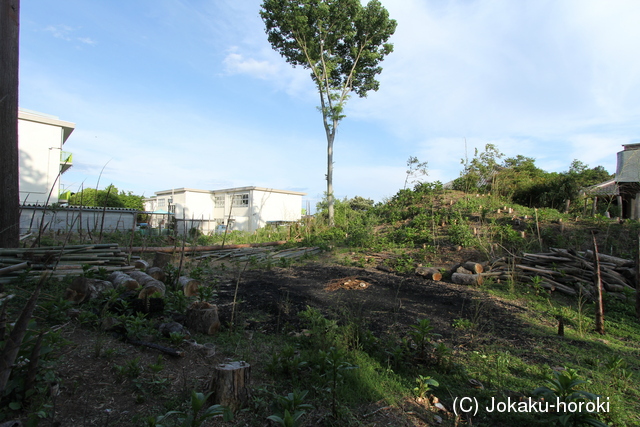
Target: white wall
[274, 206]
[40, 145]
[197, 208]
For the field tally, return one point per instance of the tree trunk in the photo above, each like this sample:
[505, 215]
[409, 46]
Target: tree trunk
[230, 385]
[9, 153]
[84, 289]
[203, 317]
[330, 199]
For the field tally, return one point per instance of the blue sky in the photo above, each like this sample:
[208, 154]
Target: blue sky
[174, 93]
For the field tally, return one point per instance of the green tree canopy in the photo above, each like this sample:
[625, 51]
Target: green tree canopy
[341, 42]
[109, 197]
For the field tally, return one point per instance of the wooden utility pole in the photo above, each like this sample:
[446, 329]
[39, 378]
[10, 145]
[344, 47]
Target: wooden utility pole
[9, 160]
[638, 280]
[597, 281]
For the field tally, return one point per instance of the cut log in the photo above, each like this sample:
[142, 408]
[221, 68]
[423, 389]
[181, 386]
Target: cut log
[230, 385]
[157, 273]
[123, 280]
[461, 270]
[84, 289]
[555, 286]
[429, 273]
[189, 286]
[619, 262]
[152, 288]
[612, 287]
[148, 283]
[141, 264]
[473, 267]
[203, 317]
[16, 267]
[466, 279]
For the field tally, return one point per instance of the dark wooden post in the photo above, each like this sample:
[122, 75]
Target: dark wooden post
[9, 154]
[638, 280]
[597, 281]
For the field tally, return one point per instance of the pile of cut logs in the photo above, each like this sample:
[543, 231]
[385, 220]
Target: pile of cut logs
[60, 261]
[561, 270]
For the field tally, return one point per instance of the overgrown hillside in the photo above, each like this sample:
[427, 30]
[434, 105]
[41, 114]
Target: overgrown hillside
[351, 336]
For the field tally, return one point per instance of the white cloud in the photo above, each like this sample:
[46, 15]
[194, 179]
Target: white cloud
[236, 63]
[60, 31]
[87, 40]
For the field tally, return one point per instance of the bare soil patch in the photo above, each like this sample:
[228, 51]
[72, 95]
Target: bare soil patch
[94, 391]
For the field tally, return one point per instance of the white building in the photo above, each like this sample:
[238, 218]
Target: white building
[242, 208]
[40, 141]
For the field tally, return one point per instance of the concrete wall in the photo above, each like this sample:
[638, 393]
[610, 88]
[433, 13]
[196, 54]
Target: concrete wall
[274, 206]
[76, 219]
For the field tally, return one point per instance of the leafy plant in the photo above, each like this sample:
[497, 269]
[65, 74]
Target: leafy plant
[131, 368]
[462, 323]
[424, 386]
[421, 334]
[290, 409]
[563, 387]
[333, 364]
[194, 417]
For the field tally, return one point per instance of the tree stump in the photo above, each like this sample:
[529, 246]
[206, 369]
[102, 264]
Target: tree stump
[162, 259]
[123, 280]
[429, 273]
[230, 385]
[203, 317]
[466, 279]
[189, 286]
[84, 289]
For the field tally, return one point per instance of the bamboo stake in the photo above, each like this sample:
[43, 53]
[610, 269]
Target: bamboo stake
[597, 281]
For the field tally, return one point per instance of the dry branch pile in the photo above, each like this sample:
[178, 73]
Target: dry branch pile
[60, 261]
[257, 254]
[567, 271]
[347, 283]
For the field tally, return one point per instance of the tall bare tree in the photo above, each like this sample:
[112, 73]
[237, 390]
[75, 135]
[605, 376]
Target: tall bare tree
[341, 42]
[9, 160]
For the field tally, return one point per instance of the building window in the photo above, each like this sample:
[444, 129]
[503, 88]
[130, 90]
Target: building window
[241, 200]
[161, 203]
[219, 201]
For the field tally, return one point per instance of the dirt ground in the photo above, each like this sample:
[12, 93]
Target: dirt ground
[92, 394]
